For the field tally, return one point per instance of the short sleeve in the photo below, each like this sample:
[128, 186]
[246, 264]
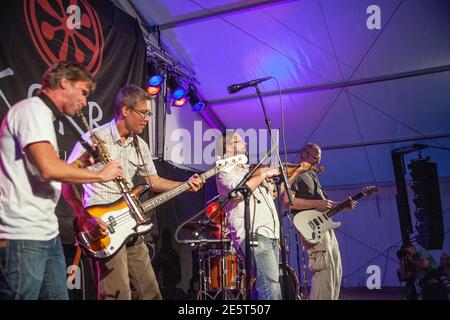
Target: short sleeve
[300, 186]
[31, 125]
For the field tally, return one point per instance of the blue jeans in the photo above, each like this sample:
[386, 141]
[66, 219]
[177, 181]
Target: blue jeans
[31, 270]
[265, 269]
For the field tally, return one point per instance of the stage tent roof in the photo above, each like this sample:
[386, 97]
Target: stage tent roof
[356, 90]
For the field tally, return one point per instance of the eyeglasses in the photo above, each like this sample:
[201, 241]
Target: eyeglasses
[143, 114]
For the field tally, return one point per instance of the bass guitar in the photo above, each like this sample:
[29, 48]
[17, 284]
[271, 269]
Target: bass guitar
[121, 222]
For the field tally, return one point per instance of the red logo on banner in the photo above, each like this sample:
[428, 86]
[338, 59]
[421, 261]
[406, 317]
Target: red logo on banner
[65, 32]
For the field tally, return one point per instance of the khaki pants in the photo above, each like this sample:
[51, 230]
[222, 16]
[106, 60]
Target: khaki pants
[128, 275]
[325, 264]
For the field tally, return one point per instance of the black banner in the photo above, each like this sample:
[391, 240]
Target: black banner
[36, 33]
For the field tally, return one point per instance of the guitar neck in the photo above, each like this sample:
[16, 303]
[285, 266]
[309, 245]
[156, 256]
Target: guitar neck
[343, 205]
[168, 195]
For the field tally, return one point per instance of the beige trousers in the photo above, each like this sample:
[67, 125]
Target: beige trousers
[128, 275]
[324, 261]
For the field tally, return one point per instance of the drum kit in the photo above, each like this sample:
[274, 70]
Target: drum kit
[221, 270]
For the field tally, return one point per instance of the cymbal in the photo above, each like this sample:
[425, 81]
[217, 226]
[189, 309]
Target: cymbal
[196, 225]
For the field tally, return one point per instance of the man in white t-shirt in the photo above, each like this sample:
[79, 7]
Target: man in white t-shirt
[32, 264]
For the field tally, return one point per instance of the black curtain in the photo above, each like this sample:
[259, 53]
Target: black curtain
[176, 264]
[97, 34]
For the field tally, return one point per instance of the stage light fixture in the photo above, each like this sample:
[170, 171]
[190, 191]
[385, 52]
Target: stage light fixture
[155, 79]
[194, 100]
[179, 102]
[177, 90]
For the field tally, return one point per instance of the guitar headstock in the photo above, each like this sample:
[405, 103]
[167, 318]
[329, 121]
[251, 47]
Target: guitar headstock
[228, 164]
[369, 190]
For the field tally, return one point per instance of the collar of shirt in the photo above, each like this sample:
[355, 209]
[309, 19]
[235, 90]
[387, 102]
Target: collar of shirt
[116, 137]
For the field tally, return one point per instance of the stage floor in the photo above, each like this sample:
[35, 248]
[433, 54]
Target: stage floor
[387, 293]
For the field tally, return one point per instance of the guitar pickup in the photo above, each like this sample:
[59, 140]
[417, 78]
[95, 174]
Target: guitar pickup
[111, 224]
[312, 225]
[317, 223]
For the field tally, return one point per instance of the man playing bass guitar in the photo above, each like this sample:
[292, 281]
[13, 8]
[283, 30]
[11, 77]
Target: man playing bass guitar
[129, 273]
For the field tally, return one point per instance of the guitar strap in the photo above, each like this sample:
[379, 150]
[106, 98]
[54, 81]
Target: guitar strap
[144, 164]
[60, 116]
[318, 187]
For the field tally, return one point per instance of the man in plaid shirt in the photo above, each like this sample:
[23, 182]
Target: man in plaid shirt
[129, 273]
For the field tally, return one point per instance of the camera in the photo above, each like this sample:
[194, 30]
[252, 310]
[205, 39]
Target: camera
[406, 260]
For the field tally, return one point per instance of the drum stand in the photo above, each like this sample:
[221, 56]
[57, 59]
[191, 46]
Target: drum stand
[203, 271]
[304, 290]
[303, 295]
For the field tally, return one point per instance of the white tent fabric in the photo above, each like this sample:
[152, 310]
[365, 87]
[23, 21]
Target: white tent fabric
[308, 44]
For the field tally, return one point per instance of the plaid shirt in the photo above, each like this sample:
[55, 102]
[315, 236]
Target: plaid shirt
[126, 153]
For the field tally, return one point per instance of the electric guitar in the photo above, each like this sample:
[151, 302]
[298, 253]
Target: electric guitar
[313, 224]
[121, 222]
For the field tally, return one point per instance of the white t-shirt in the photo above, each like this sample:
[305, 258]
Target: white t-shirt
[27, 201]
[263, 213]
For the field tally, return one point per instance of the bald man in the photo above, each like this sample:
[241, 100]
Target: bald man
[324, 257]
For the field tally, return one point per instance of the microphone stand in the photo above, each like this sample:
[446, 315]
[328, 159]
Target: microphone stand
[246, 192]
[287, 187]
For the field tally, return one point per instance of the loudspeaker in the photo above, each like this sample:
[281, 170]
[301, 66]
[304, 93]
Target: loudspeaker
[425, 184]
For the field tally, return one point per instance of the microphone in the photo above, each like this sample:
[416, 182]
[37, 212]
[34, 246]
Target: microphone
[239, 86]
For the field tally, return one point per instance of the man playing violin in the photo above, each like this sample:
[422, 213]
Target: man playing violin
[264, 223]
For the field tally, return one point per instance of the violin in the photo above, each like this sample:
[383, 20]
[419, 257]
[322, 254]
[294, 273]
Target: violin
[259, 170]
[291, 167]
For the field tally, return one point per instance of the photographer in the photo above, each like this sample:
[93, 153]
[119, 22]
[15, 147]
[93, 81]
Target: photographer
[418, 265]
[444, 272]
